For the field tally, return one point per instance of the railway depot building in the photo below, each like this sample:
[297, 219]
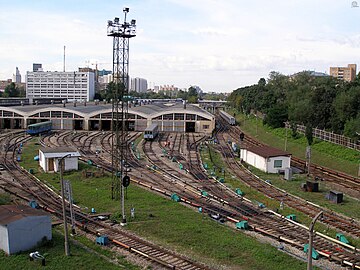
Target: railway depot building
[170, 117]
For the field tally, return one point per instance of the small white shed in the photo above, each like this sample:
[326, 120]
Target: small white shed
[50, 158]
[266, 158]
[22, 227]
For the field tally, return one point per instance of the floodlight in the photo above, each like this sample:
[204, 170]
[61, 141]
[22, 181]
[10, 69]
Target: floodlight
[133, 22]
[116, 20]
[126, 9]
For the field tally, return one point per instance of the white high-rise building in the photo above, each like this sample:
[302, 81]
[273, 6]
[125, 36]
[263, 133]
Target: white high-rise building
[73, 86]
[138, 85]
[17, 76]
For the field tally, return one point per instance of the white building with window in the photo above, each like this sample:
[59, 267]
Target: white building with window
[266, 158]
[50, 158]
[72, 86]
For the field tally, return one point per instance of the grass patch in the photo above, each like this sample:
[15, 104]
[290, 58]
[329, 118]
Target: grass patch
[56, 259]
[349, 207]
[171, 224]
[5, 198]
[323, 153]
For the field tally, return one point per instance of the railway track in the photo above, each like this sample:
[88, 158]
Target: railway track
[268, 224]
[344, 224]
[271, 224]
[32, 189]
[350, 183]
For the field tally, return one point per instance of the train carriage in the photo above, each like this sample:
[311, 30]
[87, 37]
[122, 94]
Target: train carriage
[151, 132]
[38, 128]
[228, 118]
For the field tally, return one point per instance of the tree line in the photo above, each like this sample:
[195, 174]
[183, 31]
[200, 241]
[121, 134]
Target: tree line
[321, 102]
[13, 90]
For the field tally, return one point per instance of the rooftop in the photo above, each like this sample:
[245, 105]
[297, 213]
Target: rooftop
[92, 108]
[267, 151]
[58, 150]
[11, 213]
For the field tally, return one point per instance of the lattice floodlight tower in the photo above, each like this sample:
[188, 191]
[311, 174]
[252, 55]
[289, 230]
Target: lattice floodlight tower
[121, 33]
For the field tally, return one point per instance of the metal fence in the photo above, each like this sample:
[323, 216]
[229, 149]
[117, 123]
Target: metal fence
[330, 137]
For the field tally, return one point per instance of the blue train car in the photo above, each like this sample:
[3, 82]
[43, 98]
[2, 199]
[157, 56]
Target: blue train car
[38, 128]
[151, 132]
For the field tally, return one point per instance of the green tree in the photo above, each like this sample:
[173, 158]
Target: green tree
[114, 91]
[352, 128]
[12, 90]
[192, 95]
[276, 116]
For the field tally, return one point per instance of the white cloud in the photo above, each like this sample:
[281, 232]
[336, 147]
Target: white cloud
[218, 45]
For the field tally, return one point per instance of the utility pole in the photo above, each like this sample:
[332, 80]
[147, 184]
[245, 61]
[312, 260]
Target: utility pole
[286, 137]
[70, 199]
[311, 237]
[121, 33]
[64, 58]
[308, 158]
[66, 236]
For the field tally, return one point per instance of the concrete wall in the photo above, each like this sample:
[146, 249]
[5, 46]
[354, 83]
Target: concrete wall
[264, 164]
[253, 159]
[201, 126]
[4, 239]
[71, 163]
[27, 232]
[42, 161]
[285, 164]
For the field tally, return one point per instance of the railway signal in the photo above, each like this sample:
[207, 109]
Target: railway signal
[126, 181]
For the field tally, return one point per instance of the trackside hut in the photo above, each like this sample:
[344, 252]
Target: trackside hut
[22, 227]
[49, 158]
[266, 158]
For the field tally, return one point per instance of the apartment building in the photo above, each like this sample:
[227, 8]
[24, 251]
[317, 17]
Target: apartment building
[139, 85]
[73, 86]
[344, 73]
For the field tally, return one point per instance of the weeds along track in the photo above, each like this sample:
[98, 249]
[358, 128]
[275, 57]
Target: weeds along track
[32, 189]
[330, 218]
[235, 208]
[350, 183]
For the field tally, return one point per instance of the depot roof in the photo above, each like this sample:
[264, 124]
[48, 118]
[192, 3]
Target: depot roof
[91, 109]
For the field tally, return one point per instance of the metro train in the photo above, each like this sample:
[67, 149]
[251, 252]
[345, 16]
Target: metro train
[151, 132]
[38, 128]
[227, 117]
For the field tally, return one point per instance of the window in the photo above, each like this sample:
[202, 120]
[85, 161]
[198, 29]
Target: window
[205, 126]
[179, 116]
[169, 116]
[277, 163]
[200, 118]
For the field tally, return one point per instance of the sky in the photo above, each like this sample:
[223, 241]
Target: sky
[218, 45]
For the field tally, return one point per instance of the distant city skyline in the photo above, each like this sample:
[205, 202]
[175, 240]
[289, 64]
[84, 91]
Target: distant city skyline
[219, 46]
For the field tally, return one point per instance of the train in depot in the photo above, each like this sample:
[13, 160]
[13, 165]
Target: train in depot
[39, 128]
[227, 117]
[151, 132]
